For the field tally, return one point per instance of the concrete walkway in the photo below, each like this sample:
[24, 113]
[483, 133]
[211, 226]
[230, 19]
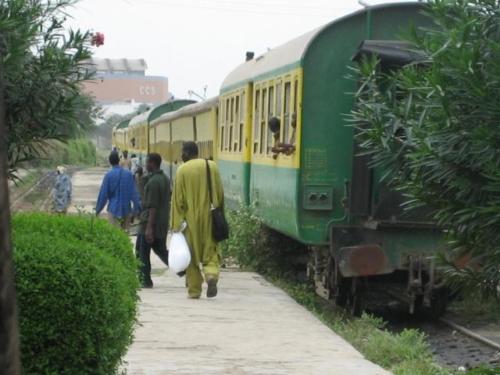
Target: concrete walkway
[251, 328]
[86, 184]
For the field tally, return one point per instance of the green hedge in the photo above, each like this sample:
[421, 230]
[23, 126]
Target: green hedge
[85, 229]
[77, 293]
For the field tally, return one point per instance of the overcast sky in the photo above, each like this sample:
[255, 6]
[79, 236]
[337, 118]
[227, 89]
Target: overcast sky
[195, 43]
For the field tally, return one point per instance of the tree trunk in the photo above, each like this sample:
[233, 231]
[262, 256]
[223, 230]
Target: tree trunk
[9, 332]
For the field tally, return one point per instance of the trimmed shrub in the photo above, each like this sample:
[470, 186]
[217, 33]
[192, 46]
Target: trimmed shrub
[77, 294]
[84, 228]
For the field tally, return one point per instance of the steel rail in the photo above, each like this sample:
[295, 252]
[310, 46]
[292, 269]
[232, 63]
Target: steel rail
[470, 333]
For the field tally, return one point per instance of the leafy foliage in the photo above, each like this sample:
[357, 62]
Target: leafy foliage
[85, 229]
[484, 370]
[41, 70]
[73, 152]
[433, 127]
[404, 353]
[76, 284]
[252, 245]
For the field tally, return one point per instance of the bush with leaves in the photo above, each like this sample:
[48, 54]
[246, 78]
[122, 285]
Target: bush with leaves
[81, 229]
[79, 152]
[77, 294]
[433, 126]
[253, 245]
[42, 67]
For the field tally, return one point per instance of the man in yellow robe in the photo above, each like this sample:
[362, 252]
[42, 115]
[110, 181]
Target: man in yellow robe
[191, 203]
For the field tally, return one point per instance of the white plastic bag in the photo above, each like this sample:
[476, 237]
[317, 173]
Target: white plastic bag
[179, 255]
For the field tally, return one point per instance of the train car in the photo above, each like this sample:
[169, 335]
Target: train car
[119, 136]
[286, 148]
[234, 147]
[138, 129]
[195, 122]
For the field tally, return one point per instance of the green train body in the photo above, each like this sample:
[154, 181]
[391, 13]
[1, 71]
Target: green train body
[280, 134]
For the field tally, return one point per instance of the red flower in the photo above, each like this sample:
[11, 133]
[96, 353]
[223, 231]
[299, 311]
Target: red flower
[97, 39]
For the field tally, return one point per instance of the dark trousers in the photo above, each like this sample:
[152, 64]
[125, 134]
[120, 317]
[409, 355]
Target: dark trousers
[143, 253]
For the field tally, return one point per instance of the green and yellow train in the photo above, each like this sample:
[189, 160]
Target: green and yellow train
[280, 135]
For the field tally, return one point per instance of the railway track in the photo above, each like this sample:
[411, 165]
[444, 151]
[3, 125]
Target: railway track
[457, 347]
[453, 346]
[37, 197]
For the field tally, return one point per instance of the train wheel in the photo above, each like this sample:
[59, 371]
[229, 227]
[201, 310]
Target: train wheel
[439, 302]
[342, 295]
[355, 297]
[357, 305]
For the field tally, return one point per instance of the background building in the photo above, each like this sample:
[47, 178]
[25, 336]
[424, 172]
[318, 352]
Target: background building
[125, 81]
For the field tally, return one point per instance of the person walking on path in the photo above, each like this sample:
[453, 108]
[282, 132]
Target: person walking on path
[61, 194]
[191, 203]
[119, 192]
[126, 163]
[154, 218]
[134, 163]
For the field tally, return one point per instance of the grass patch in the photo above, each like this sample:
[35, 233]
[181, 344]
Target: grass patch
[406, 353]
[255, 247]
[472, 308]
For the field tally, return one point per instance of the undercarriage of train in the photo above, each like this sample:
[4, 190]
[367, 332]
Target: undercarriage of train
[415, 283]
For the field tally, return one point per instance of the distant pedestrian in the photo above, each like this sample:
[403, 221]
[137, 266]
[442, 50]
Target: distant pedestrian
[119, 192]
[154, 217]
[126, 162]
[134, 160]
[140, 181]
[61, 194]
[191, 203]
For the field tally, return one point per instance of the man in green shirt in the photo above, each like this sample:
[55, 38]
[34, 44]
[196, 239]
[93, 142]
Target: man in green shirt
[154, 218]
[191, 203]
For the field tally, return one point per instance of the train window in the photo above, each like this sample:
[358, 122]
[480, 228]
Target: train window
[294, 111]
[279, 94]
[222, 138]
[221, 112]
[256, 122]
[263, 116]
[230, 137]
[231, 125]
[227, 124]
[232, 110]
[195, 131]
[295, 95]
[242, 121]
[270, 113]
[286, 113]
[236, 122]
[243, 107]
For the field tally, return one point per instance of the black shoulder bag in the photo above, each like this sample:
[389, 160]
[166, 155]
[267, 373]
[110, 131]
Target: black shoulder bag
[220, 228]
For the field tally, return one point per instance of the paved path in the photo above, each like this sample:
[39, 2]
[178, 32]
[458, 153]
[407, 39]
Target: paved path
[86, 184]
[251, 328]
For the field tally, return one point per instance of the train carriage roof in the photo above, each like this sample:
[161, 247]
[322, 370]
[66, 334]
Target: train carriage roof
[189, 110]
[152, 114]
[282, 56]
[287, 55]
[123, 124]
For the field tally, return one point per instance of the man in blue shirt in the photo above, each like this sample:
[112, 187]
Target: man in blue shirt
[118, 188]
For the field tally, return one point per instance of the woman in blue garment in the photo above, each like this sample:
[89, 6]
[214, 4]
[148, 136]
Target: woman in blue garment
[61, 193]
